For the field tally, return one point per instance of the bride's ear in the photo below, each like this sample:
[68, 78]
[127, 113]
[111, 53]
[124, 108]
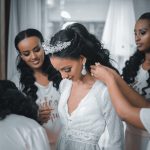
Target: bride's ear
[83, 59]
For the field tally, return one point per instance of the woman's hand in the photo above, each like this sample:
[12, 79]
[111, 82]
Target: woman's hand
[44, 113]
[103, 73]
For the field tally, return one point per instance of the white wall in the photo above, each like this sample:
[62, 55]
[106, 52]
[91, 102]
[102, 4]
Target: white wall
[140, 7]
[84, 10]
[93, 10]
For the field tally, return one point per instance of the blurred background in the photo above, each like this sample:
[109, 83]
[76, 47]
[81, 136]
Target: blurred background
[112, 21]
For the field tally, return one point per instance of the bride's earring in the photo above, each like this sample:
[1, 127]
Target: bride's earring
[83, 72]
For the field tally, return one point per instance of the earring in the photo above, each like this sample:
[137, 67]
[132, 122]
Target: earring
[83, 72]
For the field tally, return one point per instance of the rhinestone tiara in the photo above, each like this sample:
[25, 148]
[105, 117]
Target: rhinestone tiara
[50, 49]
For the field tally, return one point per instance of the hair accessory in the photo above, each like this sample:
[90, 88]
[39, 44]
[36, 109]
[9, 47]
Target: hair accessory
[48, 48]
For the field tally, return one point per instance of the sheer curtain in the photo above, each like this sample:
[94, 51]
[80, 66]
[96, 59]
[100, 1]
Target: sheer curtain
[23, 14]
[2, 41]
[118, 34]
[118, 37]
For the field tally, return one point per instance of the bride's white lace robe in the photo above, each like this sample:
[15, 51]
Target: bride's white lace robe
[83, 128]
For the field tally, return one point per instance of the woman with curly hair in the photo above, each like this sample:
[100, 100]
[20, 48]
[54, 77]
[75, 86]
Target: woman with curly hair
[85, 108]
[18, 121]
[39, 79]
[137, 74]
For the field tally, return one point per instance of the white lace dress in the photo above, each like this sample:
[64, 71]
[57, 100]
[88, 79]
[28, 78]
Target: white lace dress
[83, 128]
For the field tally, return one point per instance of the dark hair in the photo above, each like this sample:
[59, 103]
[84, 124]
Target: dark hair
[82, 43]
[27, 33]
[27, 78]
[132, 65]
[145, 16]
[12, 101]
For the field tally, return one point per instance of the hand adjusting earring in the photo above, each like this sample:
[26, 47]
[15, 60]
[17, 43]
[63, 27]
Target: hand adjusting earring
[83, 72]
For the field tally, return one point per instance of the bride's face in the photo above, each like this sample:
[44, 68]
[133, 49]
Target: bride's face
[69, 68]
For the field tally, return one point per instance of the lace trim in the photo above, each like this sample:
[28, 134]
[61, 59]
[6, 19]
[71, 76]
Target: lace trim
[80, 136]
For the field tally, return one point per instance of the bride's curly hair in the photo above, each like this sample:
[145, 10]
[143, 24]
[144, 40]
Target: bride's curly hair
[82, 43]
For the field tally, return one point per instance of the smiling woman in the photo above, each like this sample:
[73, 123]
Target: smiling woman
[31, 52]
[39, 79]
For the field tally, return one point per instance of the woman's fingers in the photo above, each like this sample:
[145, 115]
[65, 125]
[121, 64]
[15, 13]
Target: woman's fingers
[44, 114]
[99, 71]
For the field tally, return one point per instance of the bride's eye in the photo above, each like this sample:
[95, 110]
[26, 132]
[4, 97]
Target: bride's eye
[67, 69]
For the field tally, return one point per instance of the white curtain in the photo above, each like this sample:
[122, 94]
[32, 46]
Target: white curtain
[118, 34]
[23, 14]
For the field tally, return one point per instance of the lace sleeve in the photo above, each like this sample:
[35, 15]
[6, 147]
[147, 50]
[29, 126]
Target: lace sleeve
[113, 124]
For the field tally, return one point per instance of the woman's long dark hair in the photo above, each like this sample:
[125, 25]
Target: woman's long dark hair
[12, 101]
[27, 78]
[82, 43]
[132, 65]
